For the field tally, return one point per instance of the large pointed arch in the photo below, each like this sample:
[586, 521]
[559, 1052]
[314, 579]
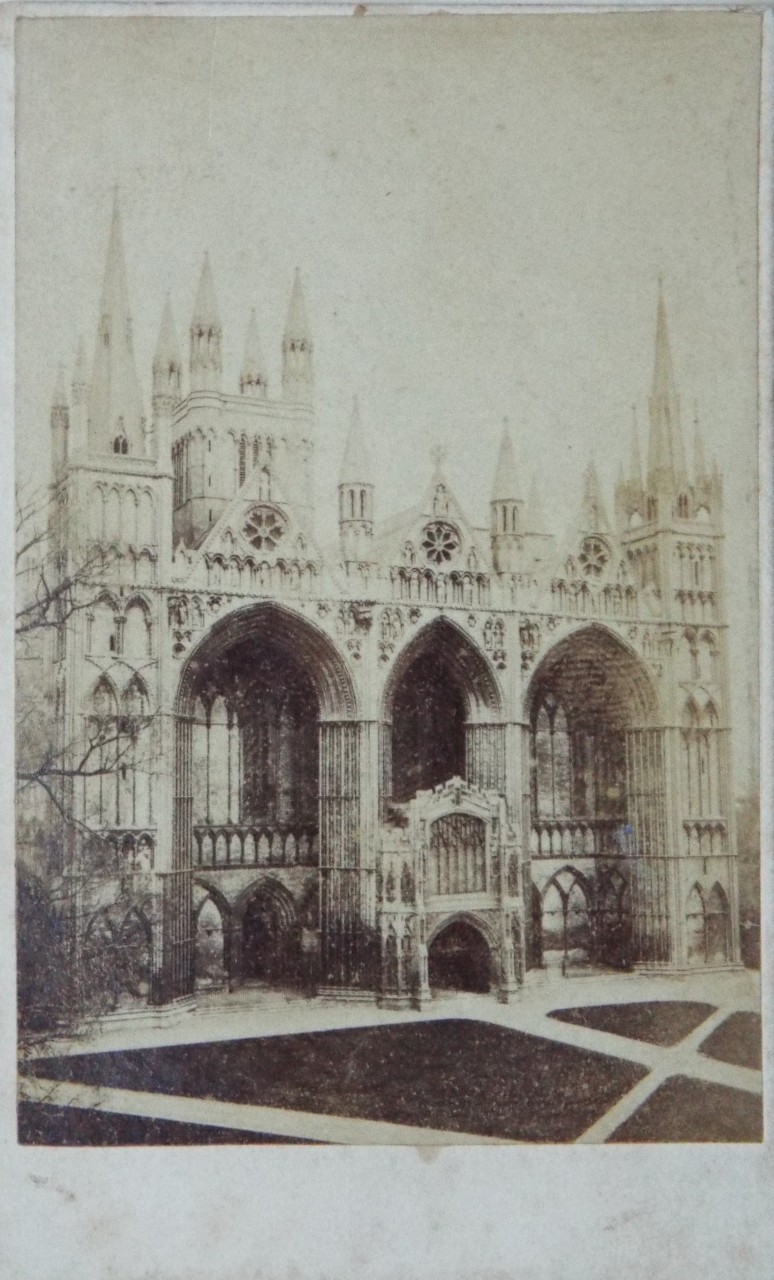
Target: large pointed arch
[448, 641]
[282, 628]
[442, 715]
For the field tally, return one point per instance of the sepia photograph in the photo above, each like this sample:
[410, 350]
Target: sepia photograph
[387, 565]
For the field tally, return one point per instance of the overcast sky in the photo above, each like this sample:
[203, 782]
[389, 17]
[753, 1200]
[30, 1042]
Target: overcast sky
[480, 209]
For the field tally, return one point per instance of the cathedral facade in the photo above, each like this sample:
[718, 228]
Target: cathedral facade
[434, 755]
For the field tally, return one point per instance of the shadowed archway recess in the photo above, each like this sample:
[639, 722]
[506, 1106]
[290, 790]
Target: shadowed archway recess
[459, 958]
[442, 715]
[283, 779]
[597, 779]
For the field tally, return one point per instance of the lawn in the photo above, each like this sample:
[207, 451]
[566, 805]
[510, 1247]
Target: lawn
[41, 1124]
[452, 1074]
[738, 1040]
[687, 1110]
[662, 1022]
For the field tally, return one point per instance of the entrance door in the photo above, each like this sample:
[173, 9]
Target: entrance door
[269, 940]
[459, 959]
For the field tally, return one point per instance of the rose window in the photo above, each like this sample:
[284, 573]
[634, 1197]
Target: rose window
[593, 557]
[264, 527]
[440, 542]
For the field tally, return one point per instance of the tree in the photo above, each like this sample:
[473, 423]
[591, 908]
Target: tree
[69, 866]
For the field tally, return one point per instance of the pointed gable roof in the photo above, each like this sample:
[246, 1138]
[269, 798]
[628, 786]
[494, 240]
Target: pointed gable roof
[593, 515]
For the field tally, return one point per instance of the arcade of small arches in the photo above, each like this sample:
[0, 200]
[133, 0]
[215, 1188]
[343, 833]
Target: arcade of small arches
[278, 778]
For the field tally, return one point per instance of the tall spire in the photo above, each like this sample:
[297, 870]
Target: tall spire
[355, 464]
[506, 483]
[297, 348]
[252, 379]
[666, 457]
[593, 514]
[699, 460]
[635, 462]
[115, 403]
[167, 365]
[205, 362]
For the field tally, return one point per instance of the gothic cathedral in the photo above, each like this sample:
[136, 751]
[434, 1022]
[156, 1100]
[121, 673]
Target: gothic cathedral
[434, 755]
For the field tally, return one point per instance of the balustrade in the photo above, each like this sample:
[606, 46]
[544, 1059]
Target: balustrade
[256, 844]
[580, 838]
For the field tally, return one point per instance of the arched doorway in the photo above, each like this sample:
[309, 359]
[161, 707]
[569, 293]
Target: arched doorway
[270, 936]
[267, 770]
[707, 927]
[597, 793]
[442, 713]
[459, 959]
[212, 938]
[566, 935]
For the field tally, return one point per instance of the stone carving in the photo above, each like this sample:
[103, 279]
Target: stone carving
[494, 641]
[529, 636]
[390, 632]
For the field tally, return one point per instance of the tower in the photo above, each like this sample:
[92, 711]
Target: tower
[206, 335]
[356, 493]
[116, 422]
[506, 507]
[297, 349]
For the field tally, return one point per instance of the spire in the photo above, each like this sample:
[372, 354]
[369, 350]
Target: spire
[535, 522]
[115, 403]
[205, 313]
[635, 463]
[205, 335]
[593, 514]
[355, 464]
[699, 460]
[506, 486]
[252, 380]
[167, 366]
[297, 348]
[666, 458]
[297, 324]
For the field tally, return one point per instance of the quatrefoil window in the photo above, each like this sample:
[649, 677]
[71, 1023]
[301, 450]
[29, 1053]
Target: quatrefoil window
[593, 557]
[440, 542]
[264, 527]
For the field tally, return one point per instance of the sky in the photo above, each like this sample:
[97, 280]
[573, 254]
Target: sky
[480, 209]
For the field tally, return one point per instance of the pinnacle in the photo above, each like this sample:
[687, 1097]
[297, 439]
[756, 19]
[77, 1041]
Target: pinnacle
[167, 350]
[205, 314]
[593, 513]
[635, 466]
[506, 485]
[356, 464]
[297, 324]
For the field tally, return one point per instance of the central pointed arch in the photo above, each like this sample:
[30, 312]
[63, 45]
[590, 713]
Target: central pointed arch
[442, 714]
